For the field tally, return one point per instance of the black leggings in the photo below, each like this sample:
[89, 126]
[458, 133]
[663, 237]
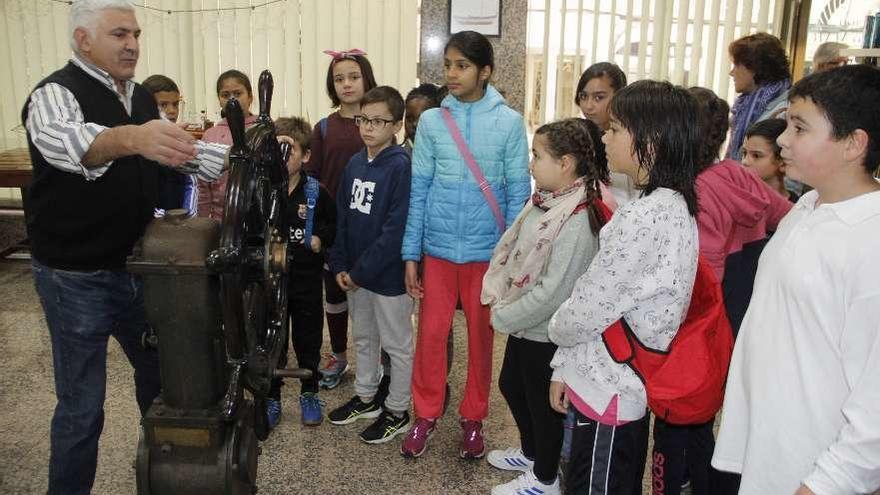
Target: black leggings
[525, 385]
[337, 321]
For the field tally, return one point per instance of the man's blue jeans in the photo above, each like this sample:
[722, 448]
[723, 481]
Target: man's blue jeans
[83, 309]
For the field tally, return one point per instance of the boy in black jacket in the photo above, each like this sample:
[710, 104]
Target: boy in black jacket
[176, 190]
[373, 201]
[311, 216]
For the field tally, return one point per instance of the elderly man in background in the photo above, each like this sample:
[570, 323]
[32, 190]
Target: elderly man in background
[827, 56]
[96, 143]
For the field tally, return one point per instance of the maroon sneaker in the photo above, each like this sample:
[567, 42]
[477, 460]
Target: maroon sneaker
[416, 440]
[472, 445]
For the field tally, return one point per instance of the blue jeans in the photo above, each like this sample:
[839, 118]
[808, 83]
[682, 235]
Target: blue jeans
[83, 309]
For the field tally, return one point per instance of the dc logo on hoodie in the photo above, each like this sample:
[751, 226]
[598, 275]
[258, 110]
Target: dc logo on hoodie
[362, 195]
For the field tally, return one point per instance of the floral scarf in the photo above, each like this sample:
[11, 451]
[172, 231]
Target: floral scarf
[520, 258]
[746, 110]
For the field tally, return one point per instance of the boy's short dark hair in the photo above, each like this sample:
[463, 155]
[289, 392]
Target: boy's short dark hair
[769, 129]
[850, 98]
[157, 83]
[296, 128]
[430, 92]
[388, 96]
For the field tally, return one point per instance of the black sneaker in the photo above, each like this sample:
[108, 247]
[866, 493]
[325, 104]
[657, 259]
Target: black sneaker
[382, 392]
[386, 427]
[354, 410]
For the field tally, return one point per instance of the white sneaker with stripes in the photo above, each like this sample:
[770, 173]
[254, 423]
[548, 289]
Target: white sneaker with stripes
[511, 459]
[527, 484]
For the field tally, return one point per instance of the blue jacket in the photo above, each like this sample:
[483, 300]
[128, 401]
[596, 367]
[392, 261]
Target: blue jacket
[372, 201]
[448, 214]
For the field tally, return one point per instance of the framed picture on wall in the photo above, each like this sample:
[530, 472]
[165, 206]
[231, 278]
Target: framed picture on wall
[482, 16]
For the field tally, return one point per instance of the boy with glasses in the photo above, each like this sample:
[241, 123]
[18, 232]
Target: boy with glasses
[372, 202]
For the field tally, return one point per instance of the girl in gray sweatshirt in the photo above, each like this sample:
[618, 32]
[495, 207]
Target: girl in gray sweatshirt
[532, 271]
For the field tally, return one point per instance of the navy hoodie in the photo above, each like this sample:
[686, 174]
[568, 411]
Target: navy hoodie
[372, 201]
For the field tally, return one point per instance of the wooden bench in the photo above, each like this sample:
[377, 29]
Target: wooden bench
[15, 171]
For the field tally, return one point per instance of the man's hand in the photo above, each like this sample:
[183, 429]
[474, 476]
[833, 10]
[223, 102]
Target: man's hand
[163, 142]
[803, 490]
[316, 244]
[558, 397]
[412, 280]
[158, 140]
[345, 282]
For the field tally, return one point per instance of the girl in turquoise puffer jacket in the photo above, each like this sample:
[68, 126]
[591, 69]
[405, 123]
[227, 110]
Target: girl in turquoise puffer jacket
[452, 229]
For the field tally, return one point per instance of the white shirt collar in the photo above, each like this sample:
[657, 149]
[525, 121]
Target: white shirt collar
[106, 79]
[851, 211]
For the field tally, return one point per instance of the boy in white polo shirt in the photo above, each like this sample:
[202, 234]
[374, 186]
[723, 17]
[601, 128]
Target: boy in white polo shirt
[802, 407]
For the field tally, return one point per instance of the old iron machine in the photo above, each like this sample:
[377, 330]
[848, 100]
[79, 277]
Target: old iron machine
[216, 295]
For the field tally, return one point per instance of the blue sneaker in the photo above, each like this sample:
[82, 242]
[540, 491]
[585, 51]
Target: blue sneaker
[310, 409]
[273, 412]
[332, 372]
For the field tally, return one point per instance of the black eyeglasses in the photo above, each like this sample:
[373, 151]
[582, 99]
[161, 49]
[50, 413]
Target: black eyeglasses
[378, 123]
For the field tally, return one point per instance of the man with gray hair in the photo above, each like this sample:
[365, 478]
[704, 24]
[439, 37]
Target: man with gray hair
[99, 151]
[827, 56]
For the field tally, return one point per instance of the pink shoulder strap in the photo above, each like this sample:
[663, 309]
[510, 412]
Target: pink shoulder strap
[485, 187]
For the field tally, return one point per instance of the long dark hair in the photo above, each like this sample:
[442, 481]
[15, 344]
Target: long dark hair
[239, 76]
[714, 120]
[575, 138]
[662, 120]
[600, 69]
[366, 74]
[475, 47]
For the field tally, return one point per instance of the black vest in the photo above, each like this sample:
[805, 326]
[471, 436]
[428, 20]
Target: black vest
[79, 224]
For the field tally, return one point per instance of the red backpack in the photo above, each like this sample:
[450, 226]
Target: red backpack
[685, 383]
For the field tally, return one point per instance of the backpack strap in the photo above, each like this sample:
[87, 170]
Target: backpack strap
[617, 342]
[312, 191]
[322, 125]
[485, 187]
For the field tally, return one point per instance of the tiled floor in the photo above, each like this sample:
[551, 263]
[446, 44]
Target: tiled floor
[324, 460]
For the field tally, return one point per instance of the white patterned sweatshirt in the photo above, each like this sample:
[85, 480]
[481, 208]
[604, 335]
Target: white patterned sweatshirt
[644, 272]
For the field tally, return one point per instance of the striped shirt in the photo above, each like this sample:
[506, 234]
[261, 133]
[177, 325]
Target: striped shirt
[58, 129]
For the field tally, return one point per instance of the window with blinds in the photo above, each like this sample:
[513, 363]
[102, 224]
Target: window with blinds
[193, 41]
[683, 41]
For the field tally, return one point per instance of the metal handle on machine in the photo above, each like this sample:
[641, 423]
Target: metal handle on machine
[235, 120]
[233, 392]
[265, 87]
